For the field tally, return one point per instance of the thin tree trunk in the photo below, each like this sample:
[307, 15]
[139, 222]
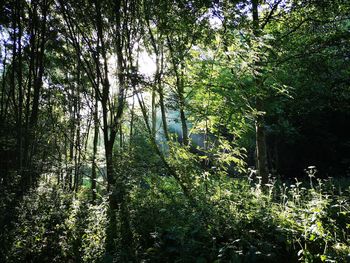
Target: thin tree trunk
[14, 74]
[20, 88]
[158, 50]
[109, 133]
[261, 153]
[180, 92]
[160, 89]
[38, 81]
[154, 113]
[39, 78]
[94, 151]
[31, 76]
[173, 173]
[3, 89]
[180, 88]
[131, 134]
[66, 161]
[77, 124]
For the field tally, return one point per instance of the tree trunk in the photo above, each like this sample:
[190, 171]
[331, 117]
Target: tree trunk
[260, 137]
[180, 89]
[94, 151]
[261, 151]
[154, 113]
[158, 50]
[3, 89]
[30, 149]
[159, 72]
[71, 141]
[20, 88]
[180, 92]
[110, 131]
[163, 112]
[131, 134]
[31, 76]
[172, 171]
[77, 124]
[112, 231]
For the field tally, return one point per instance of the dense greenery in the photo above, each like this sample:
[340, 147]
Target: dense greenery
[237, 222]
[174, 131]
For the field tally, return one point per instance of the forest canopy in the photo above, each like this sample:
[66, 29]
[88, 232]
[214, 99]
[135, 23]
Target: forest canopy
[174, 131]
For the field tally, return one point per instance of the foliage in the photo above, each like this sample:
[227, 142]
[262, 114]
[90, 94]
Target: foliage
[55, 226]
[241, 223]
[234, 220]
[130, 131]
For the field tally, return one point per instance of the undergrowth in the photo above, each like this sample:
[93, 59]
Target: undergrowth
[233, 220]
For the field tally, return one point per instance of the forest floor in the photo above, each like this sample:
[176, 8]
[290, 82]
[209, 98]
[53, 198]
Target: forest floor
[233, 221]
